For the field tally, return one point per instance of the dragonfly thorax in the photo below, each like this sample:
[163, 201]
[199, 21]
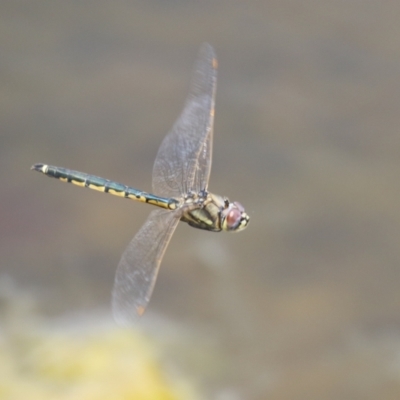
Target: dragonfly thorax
[213, 213]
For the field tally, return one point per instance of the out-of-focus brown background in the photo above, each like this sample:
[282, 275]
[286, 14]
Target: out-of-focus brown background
[304, 304]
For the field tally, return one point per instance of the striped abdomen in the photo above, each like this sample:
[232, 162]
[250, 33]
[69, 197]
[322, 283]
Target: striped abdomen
[105, 185]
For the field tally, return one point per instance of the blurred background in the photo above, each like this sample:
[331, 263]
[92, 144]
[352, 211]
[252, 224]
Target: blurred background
[305, 303]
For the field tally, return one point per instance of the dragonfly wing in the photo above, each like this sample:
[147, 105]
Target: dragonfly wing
[137, 271]
[183, 162]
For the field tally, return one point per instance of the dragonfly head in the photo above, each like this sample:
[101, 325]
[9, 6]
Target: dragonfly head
[233, 217]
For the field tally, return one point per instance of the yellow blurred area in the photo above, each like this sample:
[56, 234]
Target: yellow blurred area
[110, 364]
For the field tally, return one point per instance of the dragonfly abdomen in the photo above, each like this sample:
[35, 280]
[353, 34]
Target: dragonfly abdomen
[104, 185]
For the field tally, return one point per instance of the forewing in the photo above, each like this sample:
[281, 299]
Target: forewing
[183, 161]
[137, 271]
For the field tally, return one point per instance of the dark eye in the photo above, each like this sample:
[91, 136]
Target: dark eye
[233, 218]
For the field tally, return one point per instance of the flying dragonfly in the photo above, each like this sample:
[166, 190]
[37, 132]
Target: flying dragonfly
[180, 178]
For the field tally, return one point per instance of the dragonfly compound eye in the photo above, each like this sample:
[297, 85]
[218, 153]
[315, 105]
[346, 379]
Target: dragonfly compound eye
[230, 218]
[234, 218]
[238, 206]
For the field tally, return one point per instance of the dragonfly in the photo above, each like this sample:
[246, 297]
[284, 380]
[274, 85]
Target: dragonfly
[180, 178]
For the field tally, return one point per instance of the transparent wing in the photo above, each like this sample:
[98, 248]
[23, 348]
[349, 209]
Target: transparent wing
[183, 161]
[137, 271]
